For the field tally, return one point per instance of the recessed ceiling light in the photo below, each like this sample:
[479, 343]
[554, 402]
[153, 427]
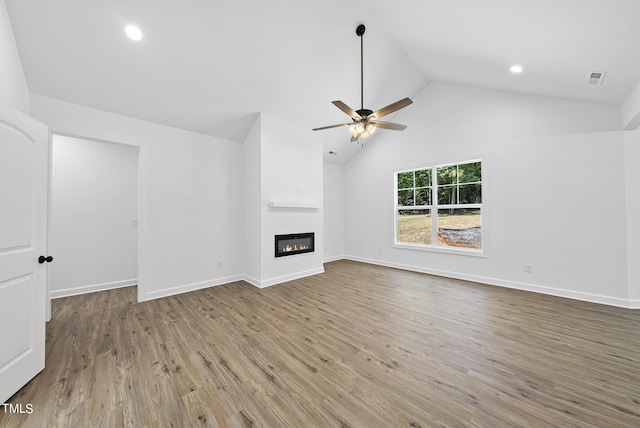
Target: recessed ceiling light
[516, 69]
[133, 32]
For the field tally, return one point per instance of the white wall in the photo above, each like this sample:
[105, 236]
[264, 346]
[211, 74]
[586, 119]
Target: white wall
[333, 219]
[290, 170]
[632, 181]
[13, 85]
[203, 198]
[190, 196]
[631, 109]
[554, 190]
[94, 197]
[252, 204]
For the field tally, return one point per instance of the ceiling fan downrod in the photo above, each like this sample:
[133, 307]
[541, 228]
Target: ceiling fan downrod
[360, 32]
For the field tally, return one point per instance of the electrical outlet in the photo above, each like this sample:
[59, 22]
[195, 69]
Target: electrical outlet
[528, 268]
[219, 264]
[379, 250]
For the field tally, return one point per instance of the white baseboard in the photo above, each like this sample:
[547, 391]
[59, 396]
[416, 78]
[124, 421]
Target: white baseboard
[251, 280]
[75, 291]
[634, 304]
[553, 291]
[280, 279]
[333, 258]
[172, 291]
[188, 287]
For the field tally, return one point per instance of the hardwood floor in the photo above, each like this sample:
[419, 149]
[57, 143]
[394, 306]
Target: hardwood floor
[359, 346]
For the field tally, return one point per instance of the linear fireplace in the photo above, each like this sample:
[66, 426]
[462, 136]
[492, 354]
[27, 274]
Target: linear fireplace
[294, 243]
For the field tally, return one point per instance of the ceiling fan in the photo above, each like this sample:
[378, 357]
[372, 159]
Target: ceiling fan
[365, 121]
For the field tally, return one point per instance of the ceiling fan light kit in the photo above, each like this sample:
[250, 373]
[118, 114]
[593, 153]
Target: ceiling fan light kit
[365, 121]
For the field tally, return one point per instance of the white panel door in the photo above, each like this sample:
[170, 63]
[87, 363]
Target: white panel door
[23, 222]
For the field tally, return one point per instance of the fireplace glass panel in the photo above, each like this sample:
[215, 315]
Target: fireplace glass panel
[295, 243]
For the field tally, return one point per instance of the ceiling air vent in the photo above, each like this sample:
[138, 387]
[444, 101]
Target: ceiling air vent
[595, 78]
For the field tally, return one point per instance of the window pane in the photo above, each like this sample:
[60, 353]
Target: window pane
[414, 226]
[470, 193]
[423, 178]
[460, 228]
[470, 172]
[447, 195]
[405, 198]
[447, 174]
[405, 180]
[423, 196]
[458, 186]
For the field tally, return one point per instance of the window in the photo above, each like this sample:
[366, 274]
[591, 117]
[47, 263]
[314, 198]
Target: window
[440, 206]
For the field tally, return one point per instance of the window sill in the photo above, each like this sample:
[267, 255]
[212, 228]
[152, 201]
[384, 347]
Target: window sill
[443, 250]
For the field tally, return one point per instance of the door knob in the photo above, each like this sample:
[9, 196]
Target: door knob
[43, 259]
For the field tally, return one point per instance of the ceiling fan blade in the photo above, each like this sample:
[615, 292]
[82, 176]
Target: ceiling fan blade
[391, 108]
[388, 125]
[332, 126]
[345, 108]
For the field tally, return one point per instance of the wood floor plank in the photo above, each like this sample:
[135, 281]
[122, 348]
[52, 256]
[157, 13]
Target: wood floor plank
[358, 346]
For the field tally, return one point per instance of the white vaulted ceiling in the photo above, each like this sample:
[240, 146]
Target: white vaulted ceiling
[211, 66]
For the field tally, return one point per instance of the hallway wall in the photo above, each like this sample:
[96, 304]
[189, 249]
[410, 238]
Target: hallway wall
[94, 200]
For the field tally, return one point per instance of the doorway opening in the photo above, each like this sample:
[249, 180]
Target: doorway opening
[94, 212]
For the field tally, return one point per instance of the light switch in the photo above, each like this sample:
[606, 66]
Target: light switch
[134, 222]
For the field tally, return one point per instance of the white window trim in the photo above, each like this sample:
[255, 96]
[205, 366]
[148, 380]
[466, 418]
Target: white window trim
[482, 252]
[446, 250]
